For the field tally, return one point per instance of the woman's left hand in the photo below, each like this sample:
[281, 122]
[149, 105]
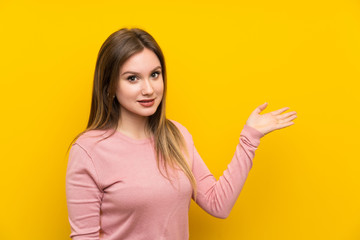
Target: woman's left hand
[271, 121]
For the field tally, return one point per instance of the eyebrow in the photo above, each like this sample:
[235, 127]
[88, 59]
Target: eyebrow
[137, 72]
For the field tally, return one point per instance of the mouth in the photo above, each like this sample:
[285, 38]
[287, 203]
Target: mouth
[147, 102]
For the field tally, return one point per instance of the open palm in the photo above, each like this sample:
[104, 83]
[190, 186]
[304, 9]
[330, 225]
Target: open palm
[271, 121]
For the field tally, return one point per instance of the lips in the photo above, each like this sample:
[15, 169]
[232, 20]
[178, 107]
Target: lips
[147, 102]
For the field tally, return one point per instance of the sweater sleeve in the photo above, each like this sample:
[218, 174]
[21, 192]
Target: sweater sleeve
[217, 197]
[83, 195]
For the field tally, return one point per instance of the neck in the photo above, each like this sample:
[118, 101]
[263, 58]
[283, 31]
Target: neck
[133, 126]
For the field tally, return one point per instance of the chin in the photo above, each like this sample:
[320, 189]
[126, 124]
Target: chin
[148, 113]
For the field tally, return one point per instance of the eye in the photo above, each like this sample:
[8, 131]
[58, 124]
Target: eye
[155, 74]
[131, 78]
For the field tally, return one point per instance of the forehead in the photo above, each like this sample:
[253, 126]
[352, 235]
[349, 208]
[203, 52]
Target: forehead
[143, 61]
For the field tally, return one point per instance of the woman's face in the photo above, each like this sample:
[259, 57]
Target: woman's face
[140, 86]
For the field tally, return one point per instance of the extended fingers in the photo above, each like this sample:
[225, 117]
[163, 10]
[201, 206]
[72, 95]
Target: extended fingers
[277, 112]
[285, 115]
[287, 119]
[283, 125]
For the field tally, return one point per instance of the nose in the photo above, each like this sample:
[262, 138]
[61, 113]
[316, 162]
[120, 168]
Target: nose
[147, 88]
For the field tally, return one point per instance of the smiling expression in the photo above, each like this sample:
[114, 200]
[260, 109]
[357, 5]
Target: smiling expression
[140, 86]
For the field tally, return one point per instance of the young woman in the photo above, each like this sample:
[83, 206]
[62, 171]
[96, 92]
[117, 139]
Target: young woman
[132, 173]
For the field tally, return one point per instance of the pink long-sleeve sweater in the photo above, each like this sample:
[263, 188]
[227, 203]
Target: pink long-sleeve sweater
[115, 190]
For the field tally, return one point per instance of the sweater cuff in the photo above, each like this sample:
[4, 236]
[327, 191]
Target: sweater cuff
[252, 134]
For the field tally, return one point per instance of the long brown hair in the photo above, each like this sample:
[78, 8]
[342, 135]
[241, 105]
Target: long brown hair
[105, 109]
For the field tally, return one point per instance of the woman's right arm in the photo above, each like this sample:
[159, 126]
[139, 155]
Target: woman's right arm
[83, 195]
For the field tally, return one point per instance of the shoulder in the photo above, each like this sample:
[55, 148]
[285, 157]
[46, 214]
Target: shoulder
[182, 129]
[88, 139]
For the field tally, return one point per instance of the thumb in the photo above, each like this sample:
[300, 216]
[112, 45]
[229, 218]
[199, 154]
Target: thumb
[261, 108]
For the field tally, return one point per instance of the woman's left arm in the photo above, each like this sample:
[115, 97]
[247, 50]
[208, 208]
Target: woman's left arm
[217, 197]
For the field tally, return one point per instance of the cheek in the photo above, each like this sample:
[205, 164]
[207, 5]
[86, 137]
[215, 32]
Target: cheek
[125, 90]
[160, 88]
[125, 95]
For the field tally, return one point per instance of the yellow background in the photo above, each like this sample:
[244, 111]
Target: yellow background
[224, 58]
